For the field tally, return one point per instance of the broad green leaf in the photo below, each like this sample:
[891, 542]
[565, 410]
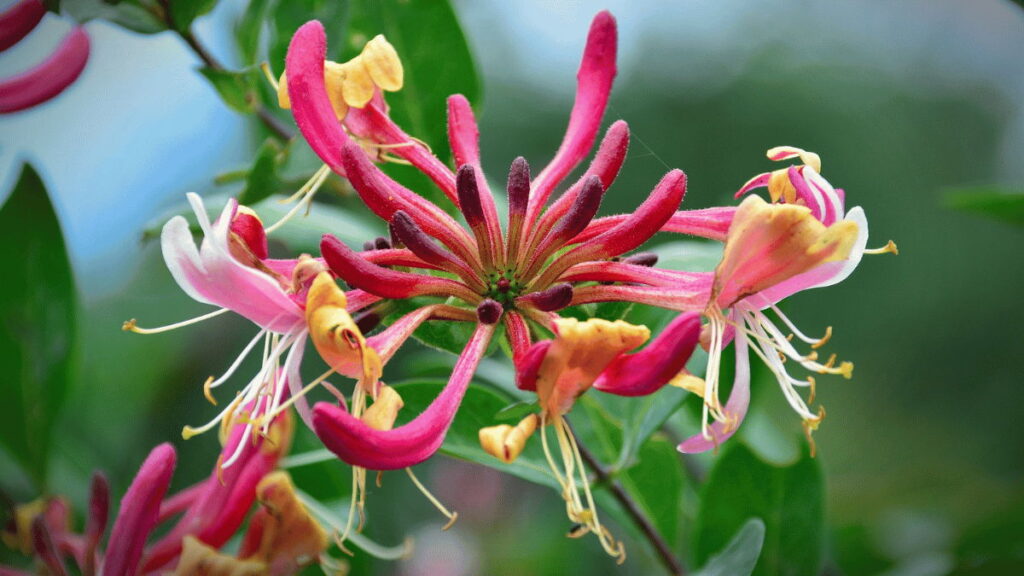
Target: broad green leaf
[999, 203]
[183, 12]
[739, 557]
[130, 15]
[644, 416]
[789, 499]
[37, 323]
[236, 88]
[478, 410]
[263, 180]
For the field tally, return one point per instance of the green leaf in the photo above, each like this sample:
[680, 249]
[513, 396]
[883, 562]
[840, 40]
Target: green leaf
[249, 29]
[999, 203]
[183, 12]
[37, 323]
[236, 88]
[130, 15]
[739, 557]
[263, 180]
[654, 480]
[478, 410]
[644, 416]
[789, 499]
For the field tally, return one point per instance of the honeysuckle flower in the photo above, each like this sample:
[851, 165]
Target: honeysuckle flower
[281, 537]
[48, 78]
[592, 353]
[517, 278]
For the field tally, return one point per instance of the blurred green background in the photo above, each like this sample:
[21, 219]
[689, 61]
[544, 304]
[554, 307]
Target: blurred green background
[922, 452]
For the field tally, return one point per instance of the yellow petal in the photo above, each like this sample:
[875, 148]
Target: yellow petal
[770, 243]
[334, 333]
[505, 442]
[357, 85]
[579, 353]
[334, 79]
[198, 559]
[383, 64]
[382, 413]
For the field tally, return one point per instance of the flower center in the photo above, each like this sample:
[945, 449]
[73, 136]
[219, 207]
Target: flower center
[503, 288]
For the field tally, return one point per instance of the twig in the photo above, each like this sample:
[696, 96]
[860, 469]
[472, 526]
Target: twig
[269, 120]
[668, 559]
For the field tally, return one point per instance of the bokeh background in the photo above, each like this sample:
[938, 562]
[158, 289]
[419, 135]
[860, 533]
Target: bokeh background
[906, 102]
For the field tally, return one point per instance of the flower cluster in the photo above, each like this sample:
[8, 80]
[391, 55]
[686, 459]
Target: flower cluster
[280, 538]
[507, 278]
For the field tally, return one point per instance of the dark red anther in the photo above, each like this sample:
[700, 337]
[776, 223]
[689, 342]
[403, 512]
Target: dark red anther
[369, 246]
[367, 320]
[583, 210]
[647, 259]
[381, 243]
[518, 186]
[554, 298]
[469, 196]
[489, 311]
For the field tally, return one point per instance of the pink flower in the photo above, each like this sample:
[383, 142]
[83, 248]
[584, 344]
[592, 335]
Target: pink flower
[516, 278]
[212, 513]
[49, 78]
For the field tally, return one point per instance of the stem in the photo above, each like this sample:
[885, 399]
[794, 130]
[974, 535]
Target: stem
[668, 559]
[269, 120]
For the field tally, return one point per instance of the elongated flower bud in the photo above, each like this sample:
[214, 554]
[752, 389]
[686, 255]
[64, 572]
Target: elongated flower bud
[518, 186]
[489, 311]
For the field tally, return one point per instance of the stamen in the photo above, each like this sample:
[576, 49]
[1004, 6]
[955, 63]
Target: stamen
[452, 516]
[265, 67]
[311, 186]
[269, 416]
[129, 325]
[889, 248]
[212, 383]
[814, 342]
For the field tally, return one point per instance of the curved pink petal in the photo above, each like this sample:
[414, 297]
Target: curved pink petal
[735, 408]
[635, 229]
[683, 299]
[212, 275]
[759, 181]
[18, 20]
[48, 79]
[711, 223]
[593, 85]
[359, 445]
[605, 271]
[140, 508]
[646, 371]
[528, 365]
[611, 153]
